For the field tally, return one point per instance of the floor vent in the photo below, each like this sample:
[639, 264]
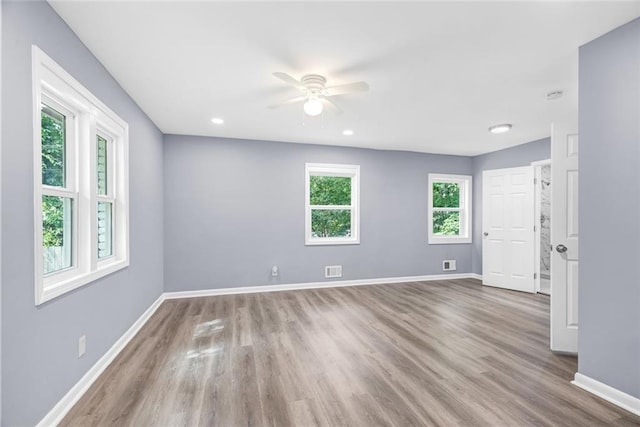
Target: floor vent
[331, 271]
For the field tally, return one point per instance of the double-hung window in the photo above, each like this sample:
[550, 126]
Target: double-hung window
[81, 183]
[332, 211]
[449, 209]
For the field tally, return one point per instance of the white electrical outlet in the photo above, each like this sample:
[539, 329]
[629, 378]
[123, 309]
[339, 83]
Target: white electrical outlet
[449, 265]
[331, 271]
[82, 346]
[274, 271]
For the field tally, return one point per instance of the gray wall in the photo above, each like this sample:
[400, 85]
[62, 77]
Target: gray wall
[40, 344]
[234, 208]
[520, 155]
[609, 126]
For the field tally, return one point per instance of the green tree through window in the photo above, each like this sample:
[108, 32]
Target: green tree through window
[446, 221]
[53, 138]
[330, 191]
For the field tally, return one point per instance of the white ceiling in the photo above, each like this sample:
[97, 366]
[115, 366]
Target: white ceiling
[440, 73]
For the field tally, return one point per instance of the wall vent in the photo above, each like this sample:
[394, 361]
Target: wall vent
[449, 265]
[331, 271]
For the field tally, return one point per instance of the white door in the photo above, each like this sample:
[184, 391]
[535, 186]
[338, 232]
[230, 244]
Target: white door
[507, 225]
[564, 238]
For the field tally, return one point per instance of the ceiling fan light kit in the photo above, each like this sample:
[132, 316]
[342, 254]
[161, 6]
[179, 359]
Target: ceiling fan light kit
[313, 107]
[316, 94]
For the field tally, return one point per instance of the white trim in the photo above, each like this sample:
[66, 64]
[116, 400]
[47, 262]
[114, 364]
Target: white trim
[85, 114]
[315, 285]
[541, 162]
[608, 393]
[475, 276]
[58, 412]
[77, 280]
[337, 170]
[465, 209]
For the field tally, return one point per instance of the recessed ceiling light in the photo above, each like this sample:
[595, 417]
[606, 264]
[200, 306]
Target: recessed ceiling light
[556, 94]
[506, 127]
[347, 132]
[217, 121]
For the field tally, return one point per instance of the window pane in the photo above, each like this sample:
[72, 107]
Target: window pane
[56, 233]
[331, 223]
[53, 146]
[102, 165]
[105, 226]
[330, 190]
[446, 195]
[446, 223]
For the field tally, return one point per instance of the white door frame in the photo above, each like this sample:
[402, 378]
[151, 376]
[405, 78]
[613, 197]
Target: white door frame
[537, 196]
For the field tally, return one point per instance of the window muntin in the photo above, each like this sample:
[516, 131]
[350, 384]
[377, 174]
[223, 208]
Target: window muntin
[449, 209]
[331, 204]
[81, 185]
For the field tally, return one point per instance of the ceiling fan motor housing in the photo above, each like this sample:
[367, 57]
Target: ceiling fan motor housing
[314, 83]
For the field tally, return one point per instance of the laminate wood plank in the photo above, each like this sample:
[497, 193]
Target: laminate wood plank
[441, 353]
[246, 407]
[307, 412]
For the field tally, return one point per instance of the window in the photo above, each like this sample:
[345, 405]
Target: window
[449, 209]
[332, 204]
[80, 187]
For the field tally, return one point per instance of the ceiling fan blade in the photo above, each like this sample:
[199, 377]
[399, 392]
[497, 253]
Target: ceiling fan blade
[332, 106]
[289, 101]
[289, 80]
[348, 88]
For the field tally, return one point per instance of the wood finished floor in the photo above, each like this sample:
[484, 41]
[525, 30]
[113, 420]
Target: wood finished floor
[423, 353]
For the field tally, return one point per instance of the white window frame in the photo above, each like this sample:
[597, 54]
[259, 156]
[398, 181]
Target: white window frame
[347, 171]
[465, 183]
[88, 116]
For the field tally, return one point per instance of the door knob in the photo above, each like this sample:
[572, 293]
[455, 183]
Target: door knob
[561, 249]
[485, 234]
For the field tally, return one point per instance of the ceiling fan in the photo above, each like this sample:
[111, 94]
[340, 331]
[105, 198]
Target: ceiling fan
[315, 94]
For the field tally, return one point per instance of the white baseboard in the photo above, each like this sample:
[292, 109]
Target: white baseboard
[608, 393]
[314, 285]
[475, 276]
[61, 409]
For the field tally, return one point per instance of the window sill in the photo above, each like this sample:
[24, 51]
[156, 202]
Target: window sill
[59, 288]
[449, 240]
[329, 242]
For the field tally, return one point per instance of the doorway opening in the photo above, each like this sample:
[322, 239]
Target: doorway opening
[542, 228]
